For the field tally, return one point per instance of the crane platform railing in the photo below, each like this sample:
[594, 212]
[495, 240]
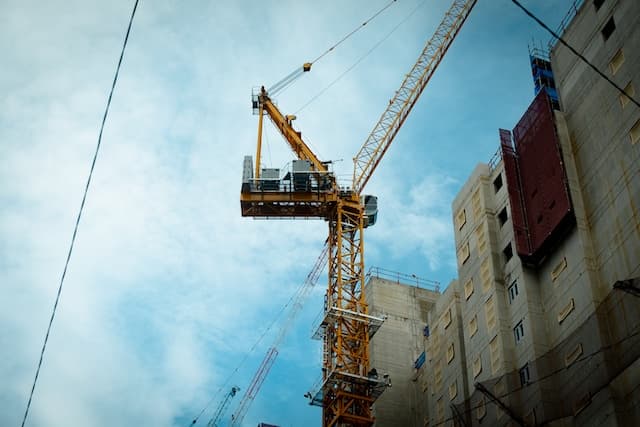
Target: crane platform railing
[402, 278]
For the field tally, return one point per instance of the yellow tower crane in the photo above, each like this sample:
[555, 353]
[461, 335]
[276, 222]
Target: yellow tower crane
[309, 190]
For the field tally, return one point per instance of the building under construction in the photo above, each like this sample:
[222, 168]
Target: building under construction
[542, 325]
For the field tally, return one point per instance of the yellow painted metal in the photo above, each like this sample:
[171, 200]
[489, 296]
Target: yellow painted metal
[348, 398]
[347, 339]
[256, 175]
[293, 137]
[399, 107]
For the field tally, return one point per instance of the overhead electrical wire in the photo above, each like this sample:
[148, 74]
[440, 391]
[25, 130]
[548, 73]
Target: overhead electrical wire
[77, 224]
[359, 60]
[575, 52]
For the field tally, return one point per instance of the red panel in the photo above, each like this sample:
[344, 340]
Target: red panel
[515, 196]
[537, 182]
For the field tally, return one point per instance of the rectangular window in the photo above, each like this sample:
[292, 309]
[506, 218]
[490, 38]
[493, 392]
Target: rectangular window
[473, 326]
[616, 62]
[419, 361]
[513, 291]
[608, 29]
[634, 133]
[502, 216]
[631, 91]
[497, 183]
[597, 4]
[508, 252]
[468, 288]
[525, 377]
[518, 331]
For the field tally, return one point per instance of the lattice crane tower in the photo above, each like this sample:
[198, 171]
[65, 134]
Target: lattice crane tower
[309, 190]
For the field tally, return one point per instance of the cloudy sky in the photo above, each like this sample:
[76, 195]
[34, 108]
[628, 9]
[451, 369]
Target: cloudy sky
[169, 288]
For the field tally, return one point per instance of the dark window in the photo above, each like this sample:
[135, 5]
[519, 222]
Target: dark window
[419, 361]
[518, 331]
[508, 252]
[525, 377]
[608, 29]
[502, 216]
[513, 291]
[597, 4]
[497, 183]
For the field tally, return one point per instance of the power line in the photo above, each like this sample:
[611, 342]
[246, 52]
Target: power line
[575, 52]
[75, 229]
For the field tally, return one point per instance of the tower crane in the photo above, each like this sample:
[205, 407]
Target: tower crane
[272, 352]
[309, 190]
[215, 420]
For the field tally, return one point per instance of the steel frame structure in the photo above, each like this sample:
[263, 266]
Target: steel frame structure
[349, 387]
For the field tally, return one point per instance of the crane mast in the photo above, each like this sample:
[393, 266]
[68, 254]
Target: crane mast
[349, 385]
[272, 352]
[215, 420]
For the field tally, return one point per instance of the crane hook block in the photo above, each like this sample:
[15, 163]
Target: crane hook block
[306, 67]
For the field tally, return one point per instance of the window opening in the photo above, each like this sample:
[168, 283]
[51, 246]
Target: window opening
[513, 291]
[525, 377]
[508, 252]
[608, 29]
[502, 216]
[518, 331]
[497, 183]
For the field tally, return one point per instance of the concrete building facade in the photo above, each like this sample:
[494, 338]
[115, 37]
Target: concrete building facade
[538, 327]
[398, 347]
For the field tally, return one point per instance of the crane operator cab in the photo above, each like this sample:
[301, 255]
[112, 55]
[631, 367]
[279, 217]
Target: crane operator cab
[370, 204]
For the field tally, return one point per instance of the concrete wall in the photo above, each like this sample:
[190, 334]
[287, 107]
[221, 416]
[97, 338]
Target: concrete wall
[396, 346]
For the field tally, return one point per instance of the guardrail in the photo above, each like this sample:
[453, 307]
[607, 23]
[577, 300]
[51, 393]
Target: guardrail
[403, 278]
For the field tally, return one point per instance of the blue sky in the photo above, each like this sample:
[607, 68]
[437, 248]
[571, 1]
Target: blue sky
[169, 287]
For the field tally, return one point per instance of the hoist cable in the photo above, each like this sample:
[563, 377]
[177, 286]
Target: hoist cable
[285, 82]
[359, 60]
[353, 32]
